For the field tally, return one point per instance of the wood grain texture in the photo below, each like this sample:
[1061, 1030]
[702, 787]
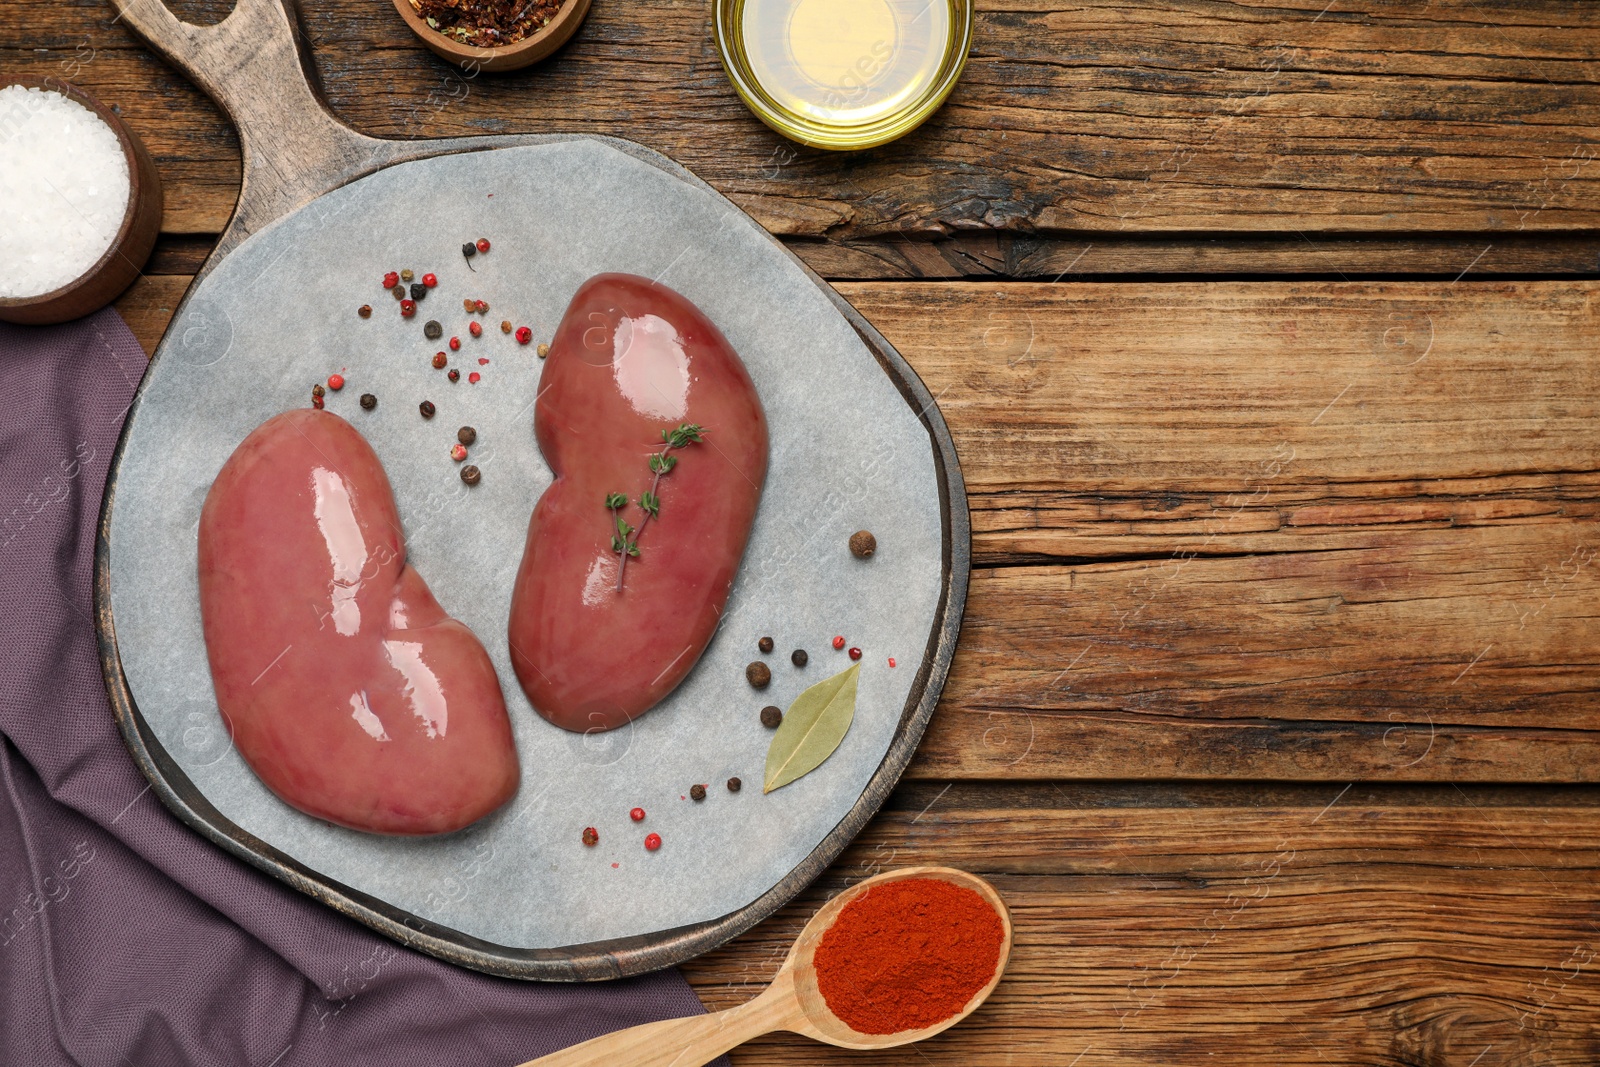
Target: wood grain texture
[1242, 533]
[1287, 531]
[1187, 115]
[1277, 531]
[1342, 932]
[1340, 257]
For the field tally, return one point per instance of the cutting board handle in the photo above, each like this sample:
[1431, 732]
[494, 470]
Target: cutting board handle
[252, 64]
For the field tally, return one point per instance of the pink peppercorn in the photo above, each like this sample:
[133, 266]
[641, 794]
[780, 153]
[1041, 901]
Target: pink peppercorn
[652, 842]
[524, 335]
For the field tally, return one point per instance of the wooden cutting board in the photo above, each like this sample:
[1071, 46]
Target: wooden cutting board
[301, 168]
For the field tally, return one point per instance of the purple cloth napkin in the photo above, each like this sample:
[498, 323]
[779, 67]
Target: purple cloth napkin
[125, 938]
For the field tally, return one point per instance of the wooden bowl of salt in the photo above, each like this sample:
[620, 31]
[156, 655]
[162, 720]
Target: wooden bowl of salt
[92, 255]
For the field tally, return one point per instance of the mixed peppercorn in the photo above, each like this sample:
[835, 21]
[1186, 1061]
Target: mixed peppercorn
[409, 290]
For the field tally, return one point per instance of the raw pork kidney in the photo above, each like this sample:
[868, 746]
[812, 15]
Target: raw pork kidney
[630, 361]
[348, 690]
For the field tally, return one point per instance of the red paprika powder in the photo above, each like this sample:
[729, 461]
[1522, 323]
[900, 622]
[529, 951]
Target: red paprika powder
[907, 954]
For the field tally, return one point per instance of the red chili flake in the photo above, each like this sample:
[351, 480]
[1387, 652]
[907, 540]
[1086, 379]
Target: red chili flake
[855, 653]
[524, 335]
[591, 836]
[838, 642]
[891, 661]
[430, 280]
[474, 377]
[614, 866]
[408, 308]
[458, 452]
[455, 344]
[637, 815]
[483, 361]
[391, 280]
[475, 329]
[336, 382]
[652, 842]
[483, 244]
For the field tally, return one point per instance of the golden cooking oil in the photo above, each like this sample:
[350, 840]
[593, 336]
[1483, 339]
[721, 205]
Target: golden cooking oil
[844, 73]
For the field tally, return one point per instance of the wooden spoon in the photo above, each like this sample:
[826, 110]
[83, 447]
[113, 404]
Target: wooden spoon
[792, 1002]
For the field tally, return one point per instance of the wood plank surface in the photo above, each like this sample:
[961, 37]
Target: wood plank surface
[1257, 566]
[1278, 531]
[1273, 531]
[1196, 116]
[1342, 927]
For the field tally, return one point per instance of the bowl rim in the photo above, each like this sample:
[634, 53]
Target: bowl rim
[79, 94]
[842, 137]
[567, 17]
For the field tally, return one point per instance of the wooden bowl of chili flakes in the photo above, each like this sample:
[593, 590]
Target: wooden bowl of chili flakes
[493, 35]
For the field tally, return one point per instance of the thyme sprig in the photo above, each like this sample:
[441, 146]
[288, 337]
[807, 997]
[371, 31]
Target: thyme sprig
[625, 541]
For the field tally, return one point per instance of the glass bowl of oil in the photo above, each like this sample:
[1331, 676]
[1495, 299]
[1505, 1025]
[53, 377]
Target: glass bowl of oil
[843, 74]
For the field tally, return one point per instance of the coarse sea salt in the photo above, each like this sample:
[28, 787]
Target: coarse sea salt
[63, 190]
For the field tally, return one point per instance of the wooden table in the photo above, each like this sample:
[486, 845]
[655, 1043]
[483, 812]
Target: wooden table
[1267, 336]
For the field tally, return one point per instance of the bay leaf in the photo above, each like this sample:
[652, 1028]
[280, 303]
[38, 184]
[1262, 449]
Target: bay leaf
[812, 728]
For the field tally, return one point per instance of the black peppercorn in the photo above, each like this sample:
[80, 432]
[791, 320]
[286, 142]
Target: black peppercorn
[697, 793]
[765, 644]
[432, 330]
[771, 717]
[798, 657]
[469, 250]
[734, 785]
[455, 375]
[418, 291]
[467, 435]
[427, 409]
[368, 401]
[471, 475]
[758, 674]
